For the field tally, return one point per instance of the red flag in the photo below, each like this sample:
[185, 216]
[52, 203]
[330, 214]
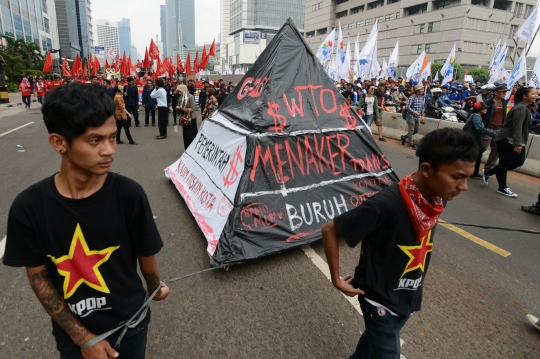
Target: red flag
[139, 64]
[47, 67]
[146, 62]
[107, 63]
[172, 68]
[154, 51]
[76, 69]
[212, 51]
[196, 62]
[117, 63]
[204, 62]
[188, 65]
[129, 67]
[203, 52]
[124, 63]
[96, 66]
[65, 68]
[179, 64]
[84, 72]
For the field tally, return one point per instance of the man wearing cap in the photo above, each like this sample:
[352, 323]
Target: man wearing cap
[477, 128]
[493, 120]
[415, 113]
[131, 98]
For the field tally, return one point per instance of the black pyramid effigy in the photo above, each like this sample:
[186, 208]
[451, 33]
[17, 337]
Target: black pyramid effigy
[284, 154]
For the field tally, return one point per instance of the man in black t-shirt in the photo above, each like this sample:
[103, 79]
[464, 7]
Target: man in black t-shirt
[81, 232]
[396, 228]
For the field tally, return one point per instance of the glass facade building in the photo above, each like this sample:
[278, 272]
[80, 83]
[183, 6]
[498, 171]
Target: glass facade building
[265, 14]
[163, 25]
[124, 36]
[23, 19]
[179, 13]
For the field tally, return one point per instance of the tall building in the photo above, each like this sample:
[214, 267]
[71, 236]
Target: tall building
[124, 34]
[475, 26]
[180, 23]
[133, 53]
[74, 30]
[253, 24]
[224, 32]
[107, 35]
[163, 26]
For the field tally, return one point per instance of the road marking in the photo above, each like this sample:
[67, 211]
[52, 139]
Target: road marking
[2, 247]
[475, 239]
[15, 129]
[323, 267]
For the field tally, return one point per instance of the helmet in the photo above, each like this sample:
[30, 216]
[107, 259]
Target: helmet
[436, 90]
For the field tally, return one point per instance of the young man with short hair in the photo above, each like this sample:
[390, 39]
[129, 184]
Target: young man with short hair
[81, 231]
[396, 229]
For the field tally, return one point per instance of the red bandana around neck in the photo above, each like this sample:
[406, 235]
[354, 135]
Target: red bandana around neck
[423, 214]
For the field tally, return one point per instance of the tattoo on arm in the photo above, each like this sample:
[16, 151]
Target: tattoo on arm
[56, 307]
[152, 281]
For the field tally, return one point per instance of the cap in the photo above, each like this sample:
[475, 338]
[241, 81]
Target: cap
[479, 106]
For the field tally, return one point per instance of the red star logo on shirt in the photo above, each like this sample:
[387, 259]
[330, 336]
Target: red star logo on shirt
[417, 254]
[81, 265]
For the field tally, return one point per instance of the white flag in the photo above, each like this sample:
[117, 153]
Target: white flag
[393, 63]
[495, 53]
[519, 71]
[375, 70]
[447, 70]
[529, 28]
[498, 65]
[327, 48]
[426, 72]
[111, 53]
[410, 71]
[384, 69]
[340, 53]
[345, 70]
[420, 65]
[357, 69]
[436, 76]
[369, 51]
[535, 76]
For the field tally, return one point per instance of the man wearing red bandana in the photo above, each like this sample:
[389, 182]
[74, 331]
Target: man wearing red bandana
[396, 228]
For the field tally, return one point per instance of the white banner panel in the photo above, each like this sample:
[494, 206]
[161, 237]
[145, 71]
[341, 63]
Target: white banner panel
[207, 176]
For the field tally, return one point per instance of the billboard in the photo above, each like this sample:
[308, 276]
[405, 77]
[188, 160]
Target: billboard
[99, 50]
[251, 37]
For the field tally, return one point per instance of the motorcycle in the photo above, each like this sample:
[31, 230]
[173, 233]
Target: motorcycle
[448, 114]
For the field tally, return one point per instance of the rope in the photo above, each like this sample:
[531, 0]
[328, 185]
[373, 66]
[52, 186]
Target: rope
[143, 310]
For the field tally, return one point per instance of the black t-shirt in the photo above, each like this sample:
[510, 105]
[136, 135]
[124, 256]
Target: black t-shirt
[392, 264]
[89, 247]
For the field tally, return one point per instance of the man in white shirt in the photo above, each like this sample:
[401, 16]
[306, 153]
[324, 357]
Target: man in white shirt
[160, 95]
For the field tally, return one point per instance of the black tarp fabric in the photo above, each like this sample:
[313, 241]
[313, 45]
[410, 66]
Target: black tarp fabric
[309, 157]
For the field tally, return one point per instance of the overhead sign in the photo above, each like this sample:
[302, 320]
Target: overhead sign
[99, 50]
[74, 46]
[252, 37]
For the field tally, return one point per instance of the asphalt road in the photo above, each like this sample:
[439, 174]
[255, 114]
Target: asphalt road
[283, 306]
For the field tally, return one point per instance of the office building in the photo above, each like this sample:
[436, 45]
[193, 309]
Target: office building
[163, 26]
[180, 24]
[475, 26]
[252, 25]
[124, 35]
[74, 30]
[224, 33]
[133, 53]
[107, 35]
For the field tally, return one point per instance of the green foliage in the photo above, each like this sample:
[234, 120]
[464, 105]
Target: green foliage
[437, 66]
[481, 75]
[12, 87]
[27, 54]
[13, 65]
[33, 72]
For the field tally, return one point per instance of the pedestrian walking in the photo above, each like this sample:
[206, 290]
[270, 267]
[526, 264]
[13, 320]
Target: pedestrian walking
[369, 105]
[396, 229]
[493, 120]
[475, 126]
[160, 95]
[122, 114]
[26, 92]
[186, 111]
[81, 232]
[131, 97]
[149, 104]
[41, 88]
[512, 138]
[415, 114]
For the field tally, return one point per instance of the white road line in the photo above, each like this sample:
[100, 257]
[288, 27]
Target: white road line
[2, 247]
[15, 129]
[323, 267]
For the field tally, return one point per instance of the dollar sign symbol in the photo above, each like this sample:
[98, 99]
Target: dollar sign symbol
[345, 112]
[232, 175]
[279, 121]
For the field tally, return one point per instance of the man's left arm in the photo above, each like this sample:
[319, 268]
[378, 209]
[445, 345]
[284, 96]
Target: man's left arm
[150, 272]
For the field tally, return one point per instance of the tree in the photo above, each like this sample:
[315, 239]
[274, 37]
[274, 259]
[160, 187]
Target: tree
[437, 66]
[481, 74]
[30, 53]
[13, 65]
